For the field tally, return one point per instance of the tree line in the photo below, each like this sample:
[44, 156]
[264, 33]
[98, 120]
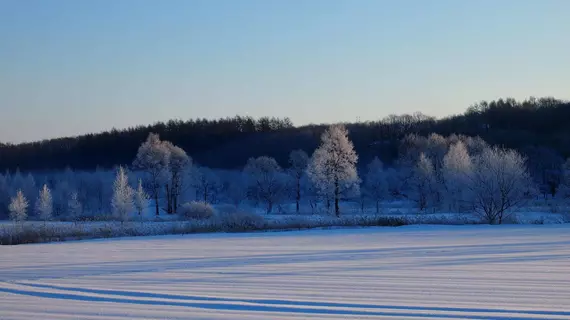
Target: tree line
[535, 127]
[454, 173]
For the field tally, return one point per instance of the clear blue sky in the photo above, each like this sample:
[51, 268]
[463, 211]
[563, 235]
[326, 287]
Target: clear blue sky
[71, 66]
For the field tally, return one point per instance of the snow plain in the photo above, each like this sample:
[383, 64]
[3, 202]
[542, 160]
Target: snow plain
[413, 272]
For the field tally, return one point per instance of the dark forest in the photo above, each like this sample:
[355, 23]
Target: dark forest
[538, 127]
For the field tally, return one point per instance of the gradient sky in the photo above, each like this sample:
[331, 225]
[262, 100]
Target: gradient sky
[76, 66]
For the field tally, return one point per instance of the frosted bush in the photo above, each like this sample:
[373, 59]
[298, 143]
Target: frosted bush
[197, 210]
[241, 220]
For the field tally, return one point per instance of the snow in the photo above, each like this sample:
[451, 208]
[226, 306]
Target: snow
[413, 272]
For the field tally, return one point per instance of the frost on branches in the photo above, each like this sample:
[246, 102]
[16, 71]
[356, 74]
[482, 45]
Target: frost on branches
[74, 207]
[424, 183]
[178, 162]
[376, 185]
[500, 182]
[18, 207]
[266, 180]
[153, 158]
[141, 199]
[332, 167]
[44, 204]
[122, 201]
[457, 168]
[206, 183]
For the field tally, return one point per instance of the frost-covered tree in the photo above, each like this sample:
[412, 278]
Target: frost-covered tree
[395, 182]
[206, 183]
[375, 184]
[178, 163]
[457, 168]
[423, 182]
[99, 188]
[140, 199]
[436, 149]
[60, 194]
[332, 167]
[153, 157]
[74, 207]
[236, 187]
[266, 180]
[122, 202]
[26, 184]
[18, 207]
[44, 204]
[499, 183]
[298, 161]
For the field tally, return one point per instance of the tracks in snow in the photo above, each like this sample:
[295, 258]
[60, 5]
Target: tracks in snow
[269, 306]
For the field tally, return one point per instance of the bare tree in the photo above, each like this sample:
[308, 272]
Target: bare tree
[333, 165]
[206, 183]
[266, 179]
[376, 185]
[153, 158]
[499, 183]
[179, 161]
[298, 161]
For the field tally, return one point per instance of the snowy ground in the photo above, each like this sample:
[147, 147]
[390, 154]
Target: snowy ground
[414, 272]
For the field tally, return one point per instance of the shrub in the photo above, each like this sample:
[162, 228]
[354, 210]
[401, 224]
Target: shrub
[241, 221]
[197, 210]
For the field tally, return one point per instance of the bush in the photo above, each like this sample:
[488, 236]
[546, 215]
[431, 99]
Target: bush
[197, 210]
[241, 221]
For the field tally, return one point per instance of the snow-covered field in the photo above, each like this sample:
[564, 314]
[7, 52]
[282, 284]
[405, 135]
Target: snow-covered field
[413, 272]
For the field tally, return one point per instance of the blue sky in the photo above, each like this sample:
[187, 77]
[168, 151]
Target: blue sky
[69, 67]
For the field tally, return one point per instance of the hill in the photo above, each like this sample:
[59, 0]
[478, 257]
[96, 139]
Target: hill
[538, 127]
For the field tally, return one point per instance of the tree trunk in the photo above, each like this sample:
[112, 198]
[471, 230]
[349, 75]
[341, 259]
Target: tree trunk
[156, 203]
[298, 193]
[269, 206]
[336, 198]
[168, 200]
[377, 206]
